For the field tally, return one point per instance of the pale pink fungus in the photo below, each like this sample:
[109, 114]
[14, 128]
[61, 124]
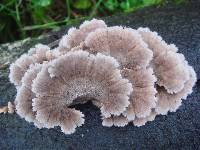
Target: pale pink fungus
[25, 95]
[21, 65]
[72, 77]
[131, 75]
[75, 36]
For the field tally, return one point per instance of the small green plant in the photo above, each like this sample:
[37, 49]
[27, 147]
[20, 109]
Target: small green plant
[20, 19]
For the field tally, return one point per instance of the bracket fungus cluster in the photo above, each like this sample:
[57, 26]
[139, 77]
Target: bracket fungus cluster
[130, 75]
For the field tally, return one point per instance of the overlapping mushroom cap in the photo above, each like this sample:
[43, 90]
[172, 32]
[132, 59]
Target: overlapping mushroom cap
[25, 95]
[38, 54]
[141, 50]
[76, 36]
[124, 44]
[127, 46]
[75, 76]
[131, 75]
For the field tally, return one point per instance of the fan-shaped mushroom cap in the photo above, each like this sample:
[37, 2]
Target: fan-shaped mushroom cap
[143, 99]
[171, 102]
[25, 95]
[127, 47]
[18, 69]
[168, 102]
[73, 76]
[39, 53]
[124, 44]
[170, 67]
[171, 71]
[21, 65]
[76, 36]
[155, 42]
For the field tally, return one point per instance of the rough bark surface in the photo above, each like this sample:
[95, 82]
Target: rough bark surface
[180, 130]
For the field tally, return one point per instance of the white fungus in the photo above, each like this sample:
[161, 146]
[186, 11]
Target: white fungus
[130, 75]
[75, 76]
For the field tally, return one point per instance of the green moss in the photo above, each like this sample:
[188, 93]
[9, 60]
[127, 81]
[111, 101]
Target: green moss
[21, 19]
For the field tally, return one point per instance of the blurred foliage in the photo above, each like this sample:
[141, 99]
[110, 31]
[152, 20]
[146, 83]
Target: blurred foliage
[22, 18]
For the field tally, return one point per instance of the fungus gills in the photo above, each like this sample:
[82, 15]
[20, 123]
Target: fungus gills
[130, 75]
[75, 75]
